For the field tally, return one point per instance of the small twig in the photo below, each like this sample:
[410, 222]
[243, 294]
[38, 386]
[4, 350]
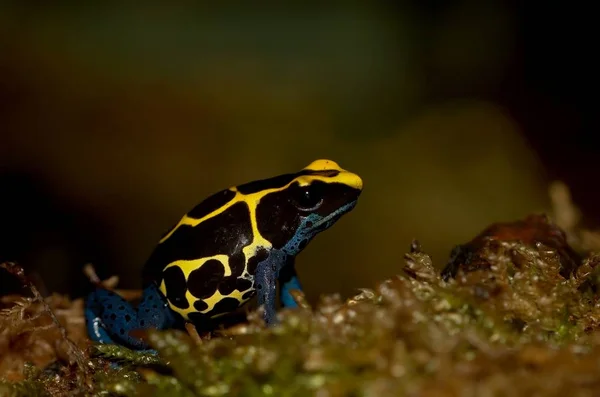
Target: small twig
[193, 332]
[567, 215]
[37, 280]
[110, 284]
[90, 272]
[300, 299]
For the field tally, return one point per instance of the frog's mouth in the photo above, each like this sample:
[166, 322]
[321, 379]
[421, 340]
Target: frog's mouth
[313, 225]
[330, 219]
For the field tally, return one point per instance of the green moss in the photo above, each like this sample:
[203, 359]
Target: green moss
[22, 389]
[514, 328]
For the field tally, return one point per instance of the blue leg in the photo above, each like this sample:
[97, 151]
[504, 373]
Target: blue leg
[266, 284]
[110, 318]
[288, 280]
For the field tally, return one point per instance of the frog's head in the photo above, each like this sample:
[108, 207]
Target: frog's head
[312, 201]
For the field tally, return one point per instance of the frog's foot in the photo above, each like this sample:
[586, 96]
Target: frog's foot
[111, 319]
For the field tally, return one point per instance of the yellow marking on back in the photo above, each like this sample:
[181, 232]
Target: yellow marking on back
[188, 266]
[217, 297]
[252, 200]
[211, 302]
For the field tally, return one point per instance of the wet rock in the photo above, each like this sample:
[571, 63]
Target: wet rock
[535, 231]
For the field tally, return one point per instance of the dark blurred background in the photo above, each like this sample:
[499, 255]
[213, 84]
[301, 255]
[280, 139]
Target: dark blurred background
[117, 119]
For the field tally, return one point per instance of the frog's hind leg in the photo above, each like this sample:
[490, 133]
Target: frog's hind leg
[111, 319]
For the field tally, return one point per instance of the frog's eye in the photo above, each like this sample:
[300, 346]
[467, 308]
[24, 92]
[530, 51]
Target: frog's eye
[307, 198]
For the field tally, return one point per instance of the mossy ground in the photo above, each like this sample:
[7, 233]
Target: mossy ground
[513, 327]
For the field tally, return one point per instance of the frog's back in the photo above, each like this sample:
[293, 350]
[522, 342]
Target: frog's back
[222, 224]
[200, 233]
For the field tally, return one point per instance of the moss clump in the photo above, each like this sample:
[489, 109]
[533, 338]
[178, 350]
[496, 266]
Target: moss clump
[512, 325]
[412, 334]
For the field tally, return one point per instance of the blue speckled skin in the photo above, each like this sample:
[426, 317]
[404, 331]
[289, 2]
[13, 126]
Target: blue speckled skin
[110, 318]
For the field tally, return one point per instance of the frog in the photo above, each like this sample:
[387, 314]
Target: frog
[237, 244]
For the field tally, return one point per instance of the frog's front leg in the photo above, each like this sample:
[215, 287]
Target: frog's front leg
[110, 318]
[288, 280]
[266, 283]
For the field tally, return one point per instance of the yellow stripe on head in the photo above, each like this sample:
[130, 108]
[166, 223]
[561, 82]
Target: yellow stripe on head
[339, 175]
[324, 165]
[327, 171]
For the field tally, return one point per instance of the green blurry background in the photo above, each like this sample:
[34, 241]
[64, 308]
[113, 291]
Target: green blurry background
[117, 119]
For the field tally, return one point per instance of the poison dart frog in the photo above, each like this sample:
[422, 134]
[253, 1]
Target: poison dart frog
[237, 243]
